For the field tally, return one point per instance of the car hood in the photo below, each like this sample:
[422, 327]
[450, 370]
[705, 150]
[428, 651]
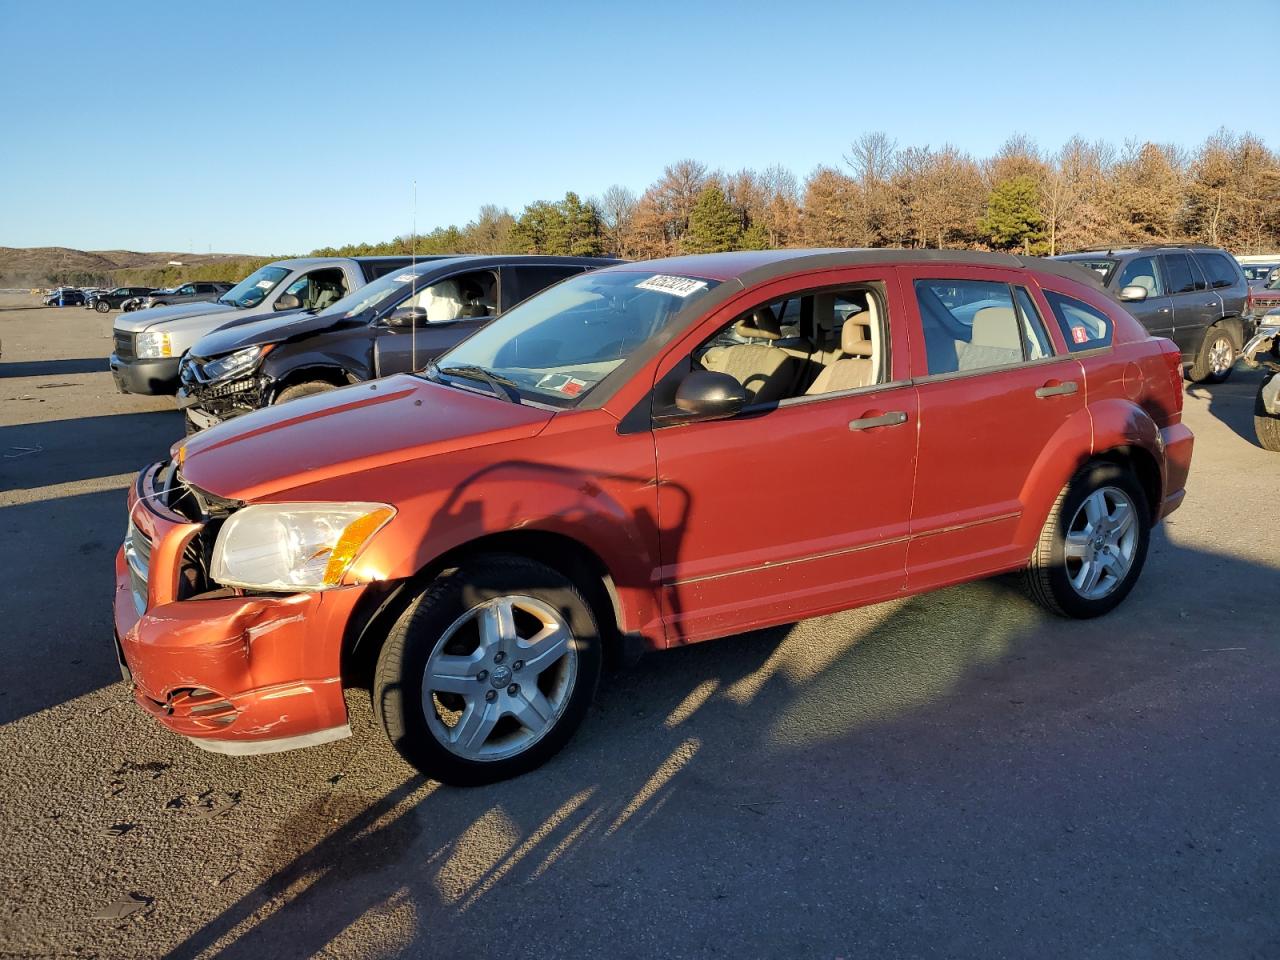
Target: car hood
[347, 431]
[254, 331]
[141, 320]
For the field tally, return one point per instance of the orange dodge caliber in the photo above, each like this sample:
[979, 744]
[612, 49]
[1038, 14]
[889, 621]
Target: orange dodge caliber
[642, 457]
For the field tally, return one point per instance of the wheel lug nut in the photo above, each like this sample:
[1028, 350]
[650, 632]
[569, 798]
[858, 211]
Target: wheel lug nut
[482, 676]
[513, 689]
[490, 694]
[499, 657]
[517, 665]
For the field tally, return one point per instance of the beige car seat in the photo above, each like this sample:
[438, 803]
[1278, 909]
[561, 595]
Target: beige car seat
[855, 367]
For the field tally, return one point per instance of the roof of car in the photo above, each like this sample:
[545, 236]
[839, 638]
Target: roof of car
[1127, 249]
[754, 266]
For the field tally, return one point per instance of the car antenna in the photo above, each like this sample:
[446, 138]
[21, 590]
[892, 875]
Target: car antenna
[413, 284]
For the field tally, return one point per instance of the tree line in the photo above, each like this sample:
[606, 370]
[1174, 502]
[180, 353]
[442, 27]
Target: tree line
[1087, 193]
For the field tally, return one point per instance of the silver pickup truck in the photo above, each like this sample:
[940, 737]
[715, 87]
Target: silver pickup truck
[148, 344]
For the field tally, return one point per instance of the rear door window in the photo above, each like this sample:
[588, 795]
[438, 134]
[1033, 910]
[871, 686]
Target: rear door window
[534, 279]
[968, 325]
[1182, 275]
[1083, 327]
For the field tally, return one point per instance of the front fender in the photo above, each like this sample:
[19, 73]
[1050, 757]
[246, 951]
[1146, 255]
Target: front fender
[1269, 395]
[613, 516]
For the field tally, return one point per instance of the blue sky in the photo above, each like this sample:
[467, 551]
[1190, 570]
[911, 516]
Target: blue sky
[278, 128]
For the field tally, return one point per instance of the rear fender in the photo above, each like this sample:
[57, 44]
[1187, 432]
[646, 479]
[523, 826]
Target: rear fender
[1065, 453]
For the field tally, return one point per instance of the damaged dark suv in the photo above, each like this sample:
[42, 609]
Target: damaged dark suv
[393, 325]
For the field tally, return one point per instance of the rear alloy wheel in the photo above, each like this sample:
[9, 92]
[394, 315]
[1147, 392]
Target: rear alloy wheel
[489, 671]
[1093, 546]
[1215, 358]
[302, 390]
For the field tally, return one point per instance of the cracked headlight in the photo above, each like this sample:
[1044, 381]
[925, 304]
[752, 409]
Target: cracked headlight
[152, 346]
[294, 546]
[234, 364]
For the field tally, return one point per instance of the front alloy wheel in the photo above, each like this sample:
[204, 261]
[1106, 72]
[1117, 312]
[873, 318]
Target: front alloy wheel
[499, 678]
[488, 671]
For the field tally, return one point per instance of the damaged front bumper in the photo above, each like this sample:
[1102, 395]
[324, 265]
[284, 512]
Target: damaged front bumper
[234, 673]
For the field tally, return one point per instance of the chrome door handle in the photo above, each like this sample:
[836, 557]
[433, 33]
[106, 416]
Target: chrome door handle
[1052, 389]
[883, 420]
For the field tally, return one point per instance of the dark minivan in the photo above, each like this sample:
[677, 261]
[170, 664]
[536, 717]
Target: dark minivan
[1194, 294]
[393, 325]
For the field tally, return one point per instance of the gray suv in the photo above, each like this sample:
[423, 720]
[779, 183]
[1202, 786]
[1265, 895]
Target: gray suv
[1194, 294]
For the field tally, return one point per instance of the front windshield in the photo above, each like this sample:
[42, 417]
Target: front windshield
[1100, 266]
[371, 294]
[253, 289]
[558, 345]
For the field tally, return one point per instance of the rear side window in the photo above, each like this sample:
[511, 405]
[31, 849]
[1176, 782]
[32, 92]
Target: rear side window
[535, 279]
[1182, 274]
[1217, 268]
[373, 269]
[1083, 327]
[971, 325]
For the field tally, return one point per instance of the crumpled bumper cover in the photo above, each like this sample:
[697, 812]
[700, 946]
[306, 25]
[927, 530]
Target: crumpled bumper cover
[236, 674]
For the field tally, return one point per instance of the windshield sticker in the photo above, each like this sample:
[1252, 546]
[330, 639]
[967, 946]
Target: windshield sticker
[562, 383]
[676, 286]
[1079, 334]
[404, 278]
[264, 284]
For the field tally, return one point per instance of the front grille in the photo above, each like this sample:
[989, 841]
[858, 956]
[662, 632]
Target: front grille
[137, 553]
[123, 344]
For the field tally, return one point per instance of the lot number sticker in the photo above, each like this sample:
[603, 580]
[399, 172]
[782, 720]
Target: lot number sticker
[404, 278]
[676, 286]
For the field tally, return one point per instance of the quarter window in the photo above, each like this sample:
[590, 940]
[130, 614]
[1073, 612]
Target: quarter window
[1083, 327]
[1141, 272]
[1216, 267]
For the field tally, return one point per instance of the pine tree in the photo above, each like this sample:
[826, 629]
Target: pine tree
[714, 225]
[1013, 218]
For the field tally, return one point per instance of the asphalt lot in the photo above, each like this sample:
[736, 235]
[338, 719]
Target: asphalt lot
[953, 775]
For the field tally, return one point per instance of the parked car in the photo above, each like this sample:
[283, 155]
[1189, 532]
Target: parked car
[107, 300]
[643, 456]
[200, 292]
[1265, 298]
[393, 325]
[1261, 350]
[150, 343]
[1193, 294]
[136, 303]
[1261, 274]
[65, 297]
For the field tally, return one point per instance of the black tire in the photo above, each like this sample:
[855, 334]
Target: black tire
[1047, 579]
[1265, 425]
[102, 306]
[1202, 369]
[399, 676]
[302, 390]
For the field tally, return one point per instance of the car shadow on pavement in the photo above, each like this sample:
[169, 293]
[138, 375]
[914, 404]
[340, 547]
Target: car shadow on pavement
[1233, 402]
[34, 455]
[955, 771]
[52, 368]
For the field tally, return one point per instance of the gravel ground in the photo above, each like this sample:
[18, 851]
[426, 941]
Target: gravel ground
[953, 775]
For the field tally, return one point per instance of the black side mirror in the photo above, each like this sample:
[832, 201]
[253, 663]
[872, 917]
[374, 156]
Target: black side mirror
[287, 301]
[406, 317]
[707, 395]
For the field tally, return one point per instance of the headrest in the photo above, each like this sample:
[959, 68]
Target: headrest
[761, 324]
[996, 327]
[855, 338]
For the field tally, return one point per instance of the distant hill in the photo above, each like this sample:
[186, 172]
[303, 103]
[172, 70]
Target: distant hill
[47, 266]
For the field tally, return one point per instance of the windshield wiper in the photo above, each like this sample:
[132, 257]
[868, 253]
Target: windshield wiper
[501, 386]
